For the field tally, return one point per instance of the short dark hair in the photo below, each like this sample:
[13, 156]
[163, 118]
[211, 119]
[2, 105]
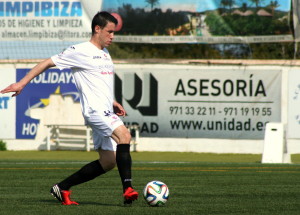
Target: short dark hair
[101, 19]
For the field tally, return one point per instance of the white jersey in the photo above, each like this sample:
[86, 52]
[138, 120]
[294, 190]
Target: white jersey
[93, 72]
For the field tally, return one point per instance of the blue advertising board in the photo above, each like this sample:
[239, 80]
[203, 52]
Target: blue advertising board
[35, 95]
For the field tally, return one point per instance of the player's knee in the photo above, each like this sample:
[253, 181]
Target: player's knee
[126, 137]
[122, 135]
[111, 165]
[108, 165]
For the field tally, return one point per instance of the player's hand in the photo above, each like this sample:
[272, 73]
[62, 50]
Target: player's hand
[118, 109]
[16, 88]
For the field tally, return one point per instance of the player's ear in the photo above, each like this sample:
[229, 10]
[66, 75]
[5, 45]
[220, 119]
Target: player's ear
[97, 28]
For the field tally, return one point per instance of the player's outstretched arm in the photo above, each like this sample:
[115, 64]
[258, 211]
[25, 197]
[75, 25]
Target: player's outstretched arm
[118, 109]
[35, 71]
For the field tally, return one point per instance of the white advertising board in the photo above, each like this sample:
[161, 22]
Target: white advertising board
[294, 104]
[47, 20]
[200, 103]
[174, 22]
[7, 105]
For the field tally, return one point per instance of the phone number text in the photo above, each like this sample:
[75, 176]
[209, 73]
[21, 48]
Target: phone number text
[227, 111]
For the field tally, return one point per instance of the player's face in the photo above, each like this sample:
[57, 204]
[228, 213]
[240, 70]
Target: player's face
[106, 34]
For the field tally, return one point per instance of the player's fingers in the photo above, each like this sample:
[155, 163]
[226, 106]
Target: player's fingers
[12, 88]
[122, 112]
[15, 94]
[9, 90]
[6, 90]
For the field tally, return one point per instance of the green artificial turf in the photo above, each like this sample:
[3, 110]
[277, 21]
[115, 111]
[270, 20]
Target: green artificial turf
[198, 183]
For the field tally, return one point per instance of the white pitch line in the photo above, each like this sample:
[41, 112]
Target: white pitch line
[84, 162]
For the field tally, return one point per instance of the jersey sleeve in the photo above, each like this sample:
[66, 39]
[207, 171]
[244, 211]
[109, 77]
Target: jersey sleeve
[67, 59]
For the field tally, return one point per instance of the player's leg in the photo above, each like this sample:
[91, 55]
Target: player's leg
[86, 173]
[123, 158]
[106, 162]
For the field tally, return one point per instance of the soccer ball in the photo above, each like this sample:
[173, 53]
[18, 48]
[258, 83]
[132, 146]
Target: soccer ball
[156, 193]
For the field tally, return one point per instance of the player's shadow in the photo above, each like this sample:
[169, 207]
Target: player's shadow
[55, 202]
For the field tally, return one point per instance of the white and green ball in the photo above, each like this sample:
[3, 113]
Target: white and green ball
[156, 193]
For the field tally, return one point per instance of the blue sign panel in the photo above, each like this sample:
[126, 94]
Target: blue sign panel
[35, 95]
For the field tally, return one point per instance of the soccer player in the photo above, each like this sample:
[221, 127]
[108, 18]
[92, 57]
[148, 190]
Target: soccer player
[93, 72]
